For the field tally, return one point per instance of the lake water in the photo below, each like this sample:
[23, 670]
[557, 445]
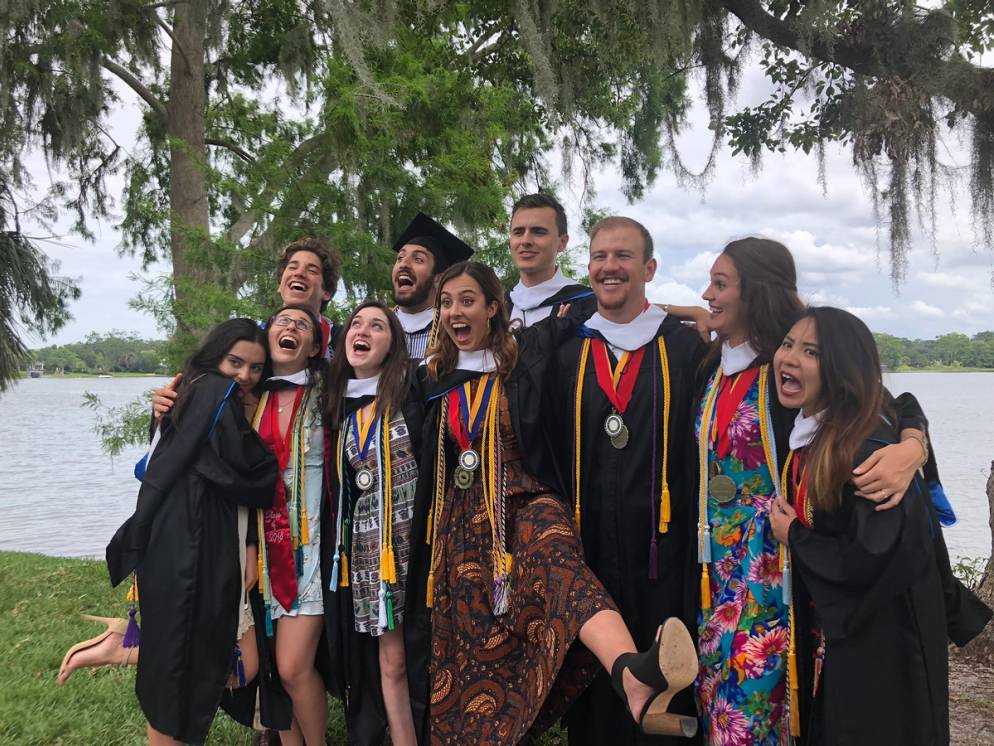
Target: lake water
[61, 495]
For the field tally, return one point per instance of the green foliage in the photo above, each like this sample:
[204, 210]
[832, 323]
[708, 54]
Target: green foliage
[32, 297]
[116, 351]
[121, 427]
[970, 571]
[952, 350]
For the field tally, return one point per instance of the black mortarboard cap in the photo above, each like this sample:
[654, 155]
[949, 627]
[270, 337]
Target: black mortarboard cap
[446, 247]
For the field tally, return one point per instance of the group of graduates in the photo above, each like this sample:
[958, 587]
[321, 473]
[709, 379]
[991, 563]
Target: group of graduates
[464, 514]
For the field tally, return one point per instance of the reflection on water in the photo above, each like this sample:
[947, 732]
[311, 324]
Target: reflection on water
[61, 495]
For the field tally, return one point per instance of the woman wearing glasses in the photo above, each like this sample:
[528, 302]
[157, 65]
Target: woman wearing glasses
[289, 420]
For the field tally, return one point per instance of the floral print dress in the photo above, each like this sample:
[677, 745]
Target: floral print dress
[743, 637]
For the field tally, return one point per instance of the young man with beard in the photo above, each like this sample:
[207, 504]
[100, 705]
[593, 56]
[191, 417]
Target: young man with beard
[308, 273]
[538, 236]
[623, 420]
[424, 250]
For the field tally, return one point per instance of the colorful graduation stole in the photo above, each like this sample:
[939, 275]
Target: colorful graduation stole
[284, 527]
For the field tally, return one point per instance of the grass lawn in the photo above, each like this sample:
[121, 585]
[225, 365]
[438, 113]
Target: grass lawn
[41, 599]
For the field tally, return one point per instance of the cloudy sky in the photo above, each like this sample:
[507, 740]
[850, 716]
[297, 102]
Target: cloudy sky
[832, 235]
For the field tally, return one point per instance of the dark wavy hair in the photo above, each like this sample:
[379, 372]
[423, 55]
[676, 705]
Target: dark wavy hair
[444, 355]
[768, 292]
[331, 262]
[391, 390]
[212, 350]
[852, 400]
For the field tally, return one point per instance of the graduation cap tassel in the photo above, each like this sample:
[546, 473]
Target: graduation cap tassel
[344, 583]
[430, 590]
[390, 622]
[705, 588]
[239, 666]
[382, 598]
[333, 585]
[132, 634]
[653, 559]
[269, 621]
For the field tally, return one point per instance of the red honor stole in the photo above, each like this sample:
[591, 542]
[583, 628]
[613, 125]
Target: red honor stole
[466, 413]
[619, 383]
[732, 390]
[276, 520]
[799, 483]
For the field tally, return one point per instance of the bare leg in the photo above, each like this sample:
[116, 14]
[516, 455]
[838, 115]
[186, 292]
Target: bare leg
[160, 739]
[607, 637]
[296, 645]
[393, 680]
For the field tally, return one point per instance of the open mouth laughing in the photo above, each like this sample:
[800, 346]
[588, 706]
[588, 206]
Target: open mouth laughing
[405, 280]
[461, 332]
[288, 342]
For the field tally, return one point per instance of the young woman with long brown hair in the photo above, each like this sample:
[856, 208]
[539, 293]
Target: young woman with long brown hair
[503, 573]
[375, 425]
[869, 624]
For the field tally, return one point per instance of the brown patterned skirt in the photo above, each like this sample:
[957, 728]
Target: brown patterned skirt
[496, 679]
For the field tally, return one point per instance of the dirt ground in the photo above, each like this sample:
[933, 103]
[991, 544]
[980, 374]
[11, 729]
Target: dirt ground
[971, 702]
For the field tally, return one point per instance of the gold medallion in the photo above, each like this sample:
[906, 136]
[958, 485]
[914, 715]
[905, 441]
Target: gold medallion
[722, 488]
[464, 478]
[620, 440]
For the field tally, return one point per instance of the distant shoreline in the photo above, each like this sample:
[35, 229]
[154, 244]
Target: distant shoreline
[939, 369]
[98, 375]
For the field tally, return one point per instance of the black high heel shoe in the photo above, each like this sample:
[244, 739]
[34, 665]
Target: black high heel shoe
[669, 666]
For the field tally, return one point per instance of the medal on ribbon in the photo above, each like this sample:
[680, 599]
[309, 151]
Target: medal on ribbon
[362, 431]
[617, 385]
[466, 415]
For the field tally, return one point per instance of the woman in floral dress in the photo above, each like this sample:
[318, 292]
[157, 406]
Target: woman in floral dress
[741, 436]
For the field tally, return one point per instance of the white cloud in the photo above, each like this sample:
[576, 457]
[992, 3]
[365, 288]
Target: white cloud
[922, 308]
[951, 280]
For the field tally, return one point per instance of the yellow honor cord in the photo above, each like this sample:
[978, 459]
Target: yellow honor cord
[438, 501]
[388, 568]
[792, 679]
[703, 527]
[577, 443]
[339, 538]
[664, 497]
[299, 437]
[262, 555]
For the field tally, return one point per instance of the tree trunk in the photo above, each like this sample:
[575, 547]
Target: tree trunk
[983, 646]
[186, 124]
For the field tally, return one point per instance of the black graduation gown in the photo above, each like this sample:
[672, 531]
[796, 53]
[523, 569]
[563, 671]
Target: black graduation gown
[354, 657]
[620, 491]
[870, 581]
[525, 390]
[581, 300]
[182, 541]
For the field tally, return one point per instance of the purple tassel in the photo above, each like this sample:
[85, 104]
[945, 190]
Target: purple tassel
[653, 559]
[132, 634]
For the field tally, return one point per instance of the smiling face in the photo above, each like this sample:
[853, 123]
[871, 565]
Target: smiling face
[413, 278]
[724, 297]
[291, 341]
[367, 342]
[619, 272]
[302, 282]
[797, 367]
[243, 363]
[535, 242]
[465, 313]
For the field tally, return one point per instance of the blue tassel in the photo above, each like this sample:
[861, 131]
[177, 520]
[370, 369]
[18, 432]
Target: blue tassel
[788, 589]
[269, 622]
[132, 635]
[653, 559]
[239, 667]
[333, 585]
[298, 558]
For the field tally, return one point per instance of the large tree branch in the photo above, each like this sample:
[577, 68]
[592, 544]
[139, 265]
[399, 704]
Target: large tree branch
[969, 87]
[131, 80]
[233, 147]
